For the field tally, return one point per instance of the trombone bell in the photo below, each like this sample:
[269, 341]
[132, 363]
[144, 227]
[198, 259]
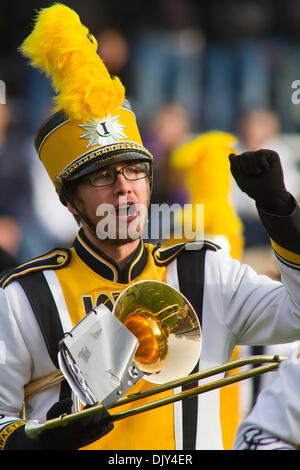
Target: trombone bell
[166, 327]
[152, 350]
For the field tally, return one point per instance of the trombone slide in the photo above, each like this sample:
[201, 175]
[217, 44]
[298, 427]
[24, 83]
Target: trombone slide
[34, 428]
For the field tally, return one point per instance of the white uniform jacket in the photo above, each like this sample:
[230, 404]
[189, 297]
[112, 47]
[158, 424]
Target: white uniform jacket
[274, 422]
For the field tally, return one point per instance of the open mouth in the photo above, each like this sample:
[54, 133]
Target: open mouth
[126, 212]
[125, 220]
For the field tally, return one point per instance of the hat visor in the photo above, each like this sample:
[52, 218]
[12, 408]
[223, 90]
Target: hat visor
[109, 159]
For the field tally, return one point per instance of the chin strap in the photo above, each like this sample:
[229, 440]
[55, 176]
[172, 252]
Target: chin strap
[64, 195]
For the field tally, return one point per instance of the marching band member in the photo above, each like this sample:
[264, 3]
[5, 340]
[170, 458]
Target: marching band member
[94, 155]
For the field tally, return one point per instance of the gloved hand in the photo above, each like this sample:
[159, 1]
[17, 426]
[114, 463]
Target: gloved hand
[76, 434]
[259, 174]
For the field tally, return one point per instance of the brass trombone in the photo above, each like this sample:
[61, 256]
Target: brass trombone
[36, 428]
[169, 346]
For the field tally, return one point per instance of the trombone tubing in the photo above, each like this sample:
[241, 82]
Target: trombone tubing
[33, 429]
[194, 391]
[199, 376]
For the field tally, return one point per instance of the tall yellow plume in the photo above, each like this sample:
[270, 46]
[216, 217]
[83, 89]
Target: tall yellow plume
[62, 48]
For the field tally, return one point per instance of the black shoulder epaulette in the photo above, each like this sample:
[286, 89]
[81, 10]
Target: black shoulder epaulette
[163, 256]
[55, 259]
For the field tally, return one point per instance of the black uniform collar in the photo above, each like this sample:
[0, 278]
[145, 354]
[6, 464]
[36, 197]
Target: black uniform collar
[105, 266]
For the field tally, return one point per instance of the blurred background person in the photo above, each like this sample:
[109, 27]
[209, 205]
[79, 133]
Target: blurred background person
[15, 186]
[168, 129]
[113, 50]
[55, 225]
[167, 57]
[238, 63]
[30, 222]
[203, 160]
[260, 128]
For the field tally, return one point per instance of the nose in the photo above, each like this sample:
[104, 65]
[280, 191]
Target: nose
[121, 185]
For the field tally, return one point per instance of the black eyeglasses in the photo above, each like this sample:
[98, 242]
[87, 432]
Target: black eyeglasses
[132, 172]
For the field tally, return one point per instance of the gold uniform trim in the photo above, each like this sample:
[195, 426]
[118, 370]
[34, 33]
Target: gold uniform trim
[286, 254]
[165, 255]
[135, 261]
[104, 261]
[59, 260]
[8, 430]
[99, 152]
[157, 254]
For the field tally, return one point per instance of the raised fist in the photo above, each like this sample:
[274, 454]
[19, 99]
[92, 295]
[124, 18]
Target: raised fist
[259, 174]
